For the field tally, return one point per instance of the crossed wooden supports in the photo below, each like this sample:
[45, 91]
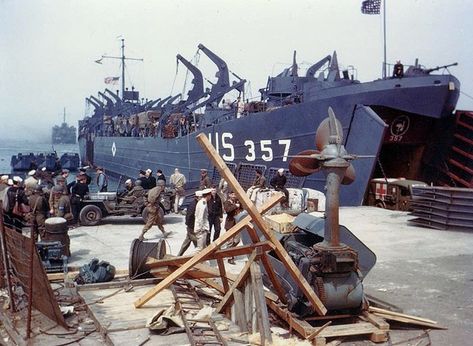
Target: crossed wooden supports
[212, 251]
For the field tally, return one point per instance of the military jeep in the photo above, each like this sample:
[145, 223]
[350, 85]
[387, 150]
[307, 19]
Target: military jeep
[98, 205]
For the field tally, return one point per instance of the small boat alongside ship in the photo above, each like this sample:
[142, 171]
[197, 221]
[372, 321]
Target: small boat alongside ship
[51, 161]
[406, 123]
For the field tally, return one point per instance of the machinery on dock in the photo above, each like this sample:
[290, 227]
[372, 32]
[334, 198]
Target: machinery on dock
[331, 258]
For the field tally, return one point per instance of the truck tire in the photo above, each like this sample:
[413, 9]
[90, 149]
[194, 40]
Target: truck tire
[380, 204]
[144, 214]
[90, 215]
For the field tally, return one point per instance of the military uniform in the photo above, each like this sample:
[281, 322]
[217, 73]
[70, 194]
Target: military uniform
[133, 195]
[64, 208]
[39, 211]
[232, 209]
[154, 217]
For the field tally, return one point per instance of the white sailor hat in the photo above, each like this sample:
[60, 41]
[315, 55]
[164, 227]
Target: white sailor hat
[4, 177]
[32, 172]
[128, 181]
[43, 169]
[149, 170]
[17, 179]
[10, 182]
[198, 193]
[281, 170]
[206, 191]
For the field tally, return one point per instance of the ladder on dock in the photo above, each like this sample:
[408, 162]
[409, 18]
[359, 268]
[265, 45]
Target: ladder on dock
[200, 332]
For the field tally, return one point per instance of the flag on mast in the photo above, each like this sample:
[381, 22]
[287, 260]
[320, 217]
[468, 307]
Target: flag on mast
[371, 7]
[111, 80]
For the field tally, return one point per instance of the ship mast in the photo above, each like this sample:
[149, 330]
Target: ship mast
[122, 58]
[64, 116]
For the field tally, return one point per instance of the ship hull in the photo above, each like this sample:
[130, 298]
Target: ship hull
[401, 113]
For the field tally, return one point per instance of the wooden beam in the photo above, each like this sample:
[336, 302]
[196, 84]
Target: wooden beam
[256, 217]
[388, 312]
[219, 254]
[227, 298]
[203, 254]
[268, 267]
[261, 308]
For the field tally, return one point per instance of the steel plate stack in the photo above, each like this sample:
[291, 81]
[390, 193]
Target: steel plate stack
[446, 208]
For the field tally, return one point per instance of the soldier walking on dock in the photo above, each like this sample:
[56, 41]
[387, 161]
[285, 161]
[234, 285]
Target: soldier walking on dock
[154, 215]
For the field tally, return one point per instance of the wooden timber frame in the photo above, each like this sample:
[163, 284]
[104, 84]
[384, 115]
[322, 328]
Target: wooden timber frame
[253, 216]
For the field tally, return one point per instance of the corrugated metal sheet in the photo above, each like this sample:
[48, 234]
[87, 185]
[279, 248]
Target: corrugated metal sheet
[446, 208]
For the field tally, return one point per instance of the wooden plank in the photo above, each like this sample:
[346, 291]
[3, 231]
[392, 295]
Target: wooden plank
[61, 276]
[227, 298]
[261, 308]
[193, 273]
[219, 254]
[117, 284]
[261, 224]
[303, 328]
[240, 315]
[410, 321]
[376, 320]
[223, 274]
[392, 313]
[360, 328]
[202, 255]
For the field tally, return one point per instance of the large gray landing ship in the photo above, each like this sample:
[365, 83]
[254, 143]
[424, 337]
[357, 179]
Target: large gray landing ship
[403, 125]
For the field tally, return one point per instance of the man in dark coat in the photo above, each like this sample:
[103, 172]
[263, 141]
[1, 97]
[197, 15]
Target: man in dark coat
[190, 220]
[15, 194]
[151, 179]
[232, 208]
[144, 180]
[215, 210]
[160, 175]
[279, 182]
[78, 190]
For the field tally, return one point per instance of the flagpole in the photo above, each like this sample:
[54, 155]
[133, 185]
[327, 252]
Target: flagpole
[123, 67]
[384, 32]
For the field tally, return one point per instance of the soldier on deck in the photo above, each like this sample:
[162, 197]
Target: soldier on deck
[154, 215]
[39, 209]
[258, 184]
[205, 182]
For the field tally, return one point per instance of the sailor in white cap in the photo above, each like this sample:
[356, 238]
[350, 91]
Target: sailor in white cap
[30, 182]
[201, 223]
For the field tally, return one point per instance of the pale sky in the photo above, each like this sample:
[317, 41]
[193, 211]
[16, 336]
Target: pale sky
[48, 48]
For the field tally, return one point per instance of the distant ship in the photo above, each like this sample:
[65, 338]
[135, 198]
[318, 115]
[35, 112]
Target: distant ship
[64, 134]
[403, 125]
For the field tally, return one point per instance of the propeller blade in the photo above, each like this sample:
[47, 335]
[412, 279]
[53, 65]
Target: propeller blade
[330, 126]
[304, 165]
[350, 175]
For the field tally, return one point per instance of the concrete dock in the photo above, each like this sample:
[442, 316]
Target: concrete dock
[425, 272]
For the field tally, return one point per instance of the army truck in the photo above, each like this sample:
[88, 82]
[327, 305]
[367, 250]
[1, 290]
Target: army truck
[392, 193]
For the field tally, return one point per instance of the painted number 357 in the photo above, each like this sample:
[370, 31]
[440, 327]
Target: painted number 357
[263, 148]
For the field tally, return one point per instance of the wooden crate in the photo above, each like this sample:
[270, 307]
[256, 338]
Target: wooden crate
[281, 223]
